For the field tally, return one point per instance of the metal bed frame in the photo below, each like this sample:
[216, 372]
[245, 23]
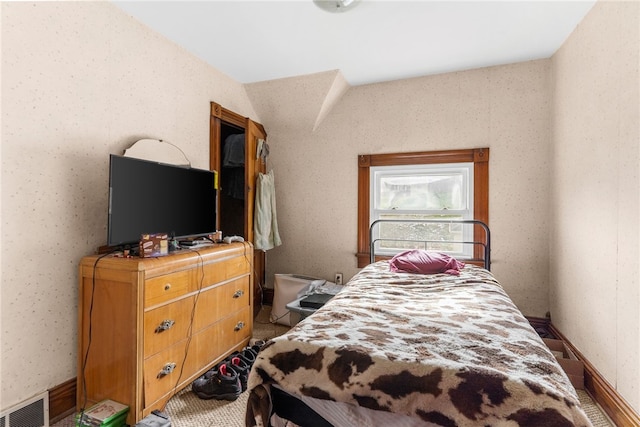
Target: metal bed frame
[486, 244]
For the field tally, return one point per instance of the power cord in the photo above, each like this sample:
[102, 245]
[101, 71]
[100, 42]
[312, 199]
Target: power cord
[275, 320]
[190, 327]
[192, 318]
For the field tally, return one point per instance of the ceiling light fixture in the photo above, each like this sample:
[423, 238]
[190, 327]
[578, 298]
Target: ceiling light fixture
[336, 6]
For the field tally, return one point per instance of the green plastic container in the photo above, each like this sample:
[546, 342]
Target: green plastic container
[104, 414]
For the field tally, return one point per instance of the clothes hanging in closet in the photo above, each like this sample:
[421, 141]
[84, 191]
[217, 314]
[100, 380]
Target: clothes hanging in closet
[265, 223]
[233, 163]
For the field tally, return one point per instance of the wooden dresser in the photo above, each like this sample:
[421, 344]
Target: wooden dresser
[149, 326]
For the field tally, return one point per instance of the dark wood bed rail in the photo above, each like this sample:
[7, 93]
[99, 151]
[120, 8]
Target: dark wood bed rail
[485, 244]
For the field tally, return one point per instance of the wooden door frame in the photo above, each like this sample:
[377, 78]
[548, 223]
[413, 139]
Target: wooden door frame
[478, 156]
[219, 115]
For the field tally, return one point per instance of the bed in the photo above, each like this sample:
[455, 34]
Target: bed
[411, 349]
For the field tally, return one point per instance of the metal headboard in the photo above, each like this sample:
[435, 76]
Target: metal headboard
[486, 244]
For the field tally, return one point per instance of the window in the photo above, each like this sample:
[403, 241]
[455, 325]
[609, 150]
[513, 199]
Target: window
[427, 185]
[429, 191]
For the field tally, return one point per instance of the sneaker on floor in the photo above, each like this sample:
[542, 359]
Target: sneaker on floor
[241, 368]
[256, 348]
[259, 343]
[221, 384]
[247, 355]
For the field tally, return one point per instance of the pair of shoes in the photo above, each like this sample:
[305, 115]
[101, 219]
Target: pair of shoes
[228, 379]
[221, 383]
[248, 355]
[241, 367]
[257, 345]
[242, 362]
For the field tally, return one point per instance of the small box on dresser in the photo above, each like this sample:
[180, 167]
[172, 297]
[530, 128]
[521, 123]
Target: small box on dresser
[149, 326]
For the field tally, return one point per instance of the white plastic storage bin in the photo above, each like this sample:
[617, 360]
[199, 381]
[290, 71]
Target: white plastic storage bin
[287, 288]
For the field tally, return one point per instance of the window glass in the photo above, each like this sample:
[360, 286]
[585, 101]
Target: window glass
[430, 191]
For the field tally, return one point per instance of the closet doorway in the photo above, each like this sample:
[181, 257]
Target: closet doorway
[233, 142]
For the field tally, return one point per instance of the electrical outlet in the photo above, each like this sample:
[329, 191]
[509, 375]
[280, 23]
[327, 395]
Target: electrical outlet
[338, 280]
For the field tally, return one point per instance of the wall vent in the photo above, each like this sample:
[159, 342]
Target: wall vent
[30, 413]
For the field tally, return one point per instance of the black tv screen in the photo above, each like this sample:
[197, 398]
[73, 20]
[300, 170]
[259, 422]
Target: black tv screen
[147, 197]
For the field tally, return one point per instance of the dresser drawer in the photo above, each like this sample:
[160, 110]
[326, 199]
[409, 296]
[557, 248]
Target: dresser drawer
[234, 329]
[166, 325]
[215, 342]
[225, 270]
[170, 286]
[221, 301]
[205, 348]
[167, 287]
[163, 371]
[203, 351]
[233, 296]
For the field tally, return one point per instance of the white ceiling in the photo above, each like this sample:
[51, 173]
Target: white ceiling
[377, 41]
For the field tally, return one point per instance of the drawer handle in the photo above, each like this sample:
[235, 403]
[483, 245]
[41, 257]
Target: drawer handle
[167, 286]
[166, 324]
[238, 293]
[239, 326]
[167, 369]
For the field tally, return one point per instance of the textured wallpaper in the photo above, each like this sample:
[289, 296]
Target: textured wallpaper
[80, 81]
[595, 254]
[505, 108]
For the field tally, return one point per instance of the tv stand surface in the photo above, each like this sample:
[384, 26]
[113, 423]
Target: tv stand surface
[157, 324]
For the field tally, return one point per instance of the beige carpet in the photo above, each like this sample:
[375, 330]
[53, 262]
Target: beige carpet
[187, 410]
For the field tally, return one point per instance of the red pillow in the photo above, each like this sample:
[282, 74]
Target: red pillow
[423, 262]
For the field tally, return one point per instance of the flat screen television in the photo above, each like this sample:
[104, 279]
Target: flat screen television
[147, 197]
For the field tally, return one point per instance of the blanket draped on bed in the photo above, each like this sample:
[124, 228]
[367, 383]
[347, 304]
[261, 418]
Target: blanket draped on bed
[448, 350]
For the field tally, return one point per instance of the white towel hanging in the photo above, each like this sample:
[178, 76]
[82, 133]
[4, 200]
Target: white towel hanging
[265, 223]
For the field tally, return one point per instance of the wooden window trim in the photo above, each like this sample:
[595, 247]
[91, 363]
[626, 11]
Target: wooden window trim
[479, 157]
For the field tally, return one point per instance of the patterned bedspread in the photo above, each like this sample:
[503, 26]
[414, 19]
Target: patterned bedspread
[448, 350]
